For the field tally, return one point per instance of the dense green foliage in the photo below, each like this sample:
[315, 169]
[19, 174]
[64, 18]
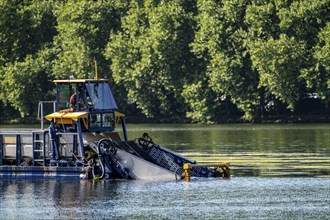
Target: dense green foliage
[197, 59]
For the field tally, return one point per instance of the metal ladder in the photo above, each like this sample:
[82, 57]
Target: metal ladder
[38, 147]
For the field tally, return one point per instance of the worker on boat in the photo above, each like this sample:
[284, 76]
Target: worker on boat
[73, 98]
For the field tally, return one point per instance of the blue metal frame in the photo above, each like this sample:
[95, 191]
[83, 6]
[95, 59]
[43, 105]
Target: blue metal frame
[57, 98]
[123, 124]
[80, 137]
[54, 151]
[1, 149]
[18, 150]
[74, 142]
[36, 172]
[44, 148]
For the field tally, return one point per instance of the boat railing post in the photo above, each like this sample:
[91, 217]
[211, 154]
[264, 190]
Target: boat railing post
[18, 150]
[1, 149]
[44, 148]
[33, 148]
[42, 116]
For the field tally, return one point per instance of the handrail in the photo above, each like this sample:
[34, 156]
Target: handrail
[41, 115]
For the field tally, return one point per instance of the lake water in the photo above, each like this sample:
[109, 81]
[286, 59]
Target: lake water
[278, 172]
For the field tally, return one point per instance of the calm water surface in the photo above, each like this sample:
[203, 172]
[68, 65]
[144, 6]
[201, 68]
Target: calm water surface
[237, 198]
[278, 172]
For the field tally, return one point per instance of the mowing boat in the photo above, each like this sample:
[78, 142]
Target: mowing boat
[81, 142]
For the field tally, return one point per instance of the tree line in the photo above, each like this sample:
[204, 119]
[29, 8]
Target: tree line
[195, 60]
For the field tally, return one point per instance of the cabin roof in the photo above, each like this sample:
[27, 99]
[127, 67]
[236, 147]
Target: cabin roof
[80, 80]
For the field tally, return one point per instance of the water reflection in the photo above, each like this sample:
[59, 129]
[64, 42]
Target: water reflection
[247, 198]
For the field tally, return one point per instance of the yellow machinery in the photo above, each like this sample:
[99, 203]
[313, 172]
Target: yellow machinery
[188, 166]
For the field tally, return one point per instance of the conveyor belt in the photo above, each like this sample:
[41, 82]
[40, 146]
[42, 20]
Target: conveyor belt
[134, 148]
[162, 157]
[130, 165]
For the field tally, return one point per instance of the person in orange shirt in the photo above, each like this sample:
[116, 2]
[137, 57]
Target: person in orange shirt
[73, 98]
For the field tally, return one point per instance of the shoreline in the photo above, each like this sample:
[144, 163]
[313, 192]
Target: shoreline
[287, 119]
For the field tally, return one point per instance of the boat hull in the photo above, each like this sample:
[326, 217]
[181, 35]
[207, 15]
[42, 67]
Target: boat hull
[40, 172]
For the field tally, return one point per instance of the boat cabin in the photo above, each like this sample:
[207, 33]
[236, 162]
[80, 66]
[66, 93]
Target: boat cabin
[86, 109]
[89, 100]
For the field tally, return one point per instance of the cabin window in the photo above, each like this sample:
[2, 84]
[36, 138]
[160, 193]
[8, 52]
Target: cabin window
[102, 120]
[101, 96]
[64, 91]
